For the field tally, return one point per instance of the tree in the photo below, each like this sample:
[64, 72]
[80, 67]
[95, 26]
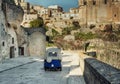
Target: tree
[37, 23]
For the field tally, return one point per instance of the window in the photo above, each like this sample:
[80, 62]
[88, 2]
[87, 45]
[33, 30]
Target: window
[105, 1]
[8, 24]
[94, 2]
[85, 3]
[12, 40]
[53, 54]
[3, 43]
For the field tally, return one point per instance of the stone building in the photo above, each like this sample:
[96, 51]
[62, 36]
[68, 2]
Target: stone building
[10, 19]
[74, 10]
[14, 40]
[3, 34]
[44, 13]
[27, 18]
[25, 5]
[99, 12]
[55, 9]
[70, 16]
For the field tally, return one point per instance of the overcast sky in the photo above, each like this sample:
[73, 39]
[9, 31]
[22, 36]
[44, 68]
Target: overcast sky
[66, 4]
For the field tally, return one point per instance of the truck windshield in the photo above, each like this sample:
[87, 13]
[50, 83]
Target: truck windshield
[53, 54]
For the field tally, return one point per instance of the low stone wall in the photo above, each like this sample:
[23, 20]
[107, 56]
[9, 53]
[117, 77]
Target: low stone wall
[97, 72]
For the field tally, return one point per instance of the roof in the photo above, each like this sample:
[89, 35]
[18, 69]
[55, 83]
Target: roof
[53, 49]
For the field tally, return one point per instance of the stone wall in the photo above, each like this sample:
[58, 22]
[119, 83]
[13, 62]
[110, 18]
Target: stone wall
[37, 43]
[107, 51]
[3, 36]
[99, 12]
[12, 41]
[97, 72]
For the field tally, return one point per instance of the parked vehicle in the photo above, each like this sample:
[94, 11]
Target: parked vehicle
[52, 60]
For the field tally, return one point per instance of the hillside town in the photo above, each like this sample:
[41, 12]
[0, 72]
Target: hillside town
[50, 15]
[89, 19]
[87, 13]
[87, 35]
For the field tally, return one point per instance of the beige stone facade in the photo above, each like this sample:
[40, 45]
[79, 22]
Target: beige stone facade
[27, 18]
[99, 11]
[44, 13]
[25, 5]
[55, 8]
[74, 10]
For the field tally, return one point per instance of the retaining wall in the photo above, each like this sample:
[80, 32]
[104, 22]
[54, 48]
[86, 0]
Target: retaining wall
[97, 72]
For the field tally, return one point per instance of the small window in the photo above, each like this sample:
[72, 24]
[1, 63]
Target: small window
[115, 15]
[94, 2]
[8, 24]
[3, 43]
[3, 29]
[12, 40]
[85, 3]
[105, 1]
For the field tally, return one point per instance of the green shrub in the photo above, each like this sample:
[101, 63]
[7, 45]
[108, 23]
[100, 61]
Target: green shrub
[84, 36]
[37, 23]
[66, 31]
[54, 33]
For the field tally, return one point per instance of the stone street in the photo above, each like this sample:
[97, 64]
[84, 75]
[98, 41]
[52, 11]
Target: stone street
[29, 70]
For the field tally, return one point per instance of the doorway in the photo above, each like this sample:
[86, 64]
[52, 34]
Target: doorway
[21, 51]
[12, 53]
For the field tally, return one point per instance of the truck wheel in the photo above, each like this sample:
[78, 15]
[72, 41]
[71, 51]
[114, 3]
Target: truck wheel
[45, 69]
[60, 68]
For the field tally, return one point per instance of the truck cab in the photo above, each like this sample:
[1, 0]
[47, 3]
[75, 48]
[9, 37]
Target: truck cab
[52, 60]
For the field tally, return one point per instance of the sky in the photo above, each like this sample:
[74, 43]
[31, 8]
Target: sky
[66, 4]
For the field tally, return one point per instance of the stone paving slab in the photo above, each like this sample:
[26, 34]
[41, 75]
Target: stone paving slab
[75, 75]
[15, 62]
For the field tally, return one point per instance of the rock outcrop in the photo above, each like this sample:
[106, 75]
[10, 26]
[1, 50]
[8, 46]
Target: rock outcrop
[10, 19]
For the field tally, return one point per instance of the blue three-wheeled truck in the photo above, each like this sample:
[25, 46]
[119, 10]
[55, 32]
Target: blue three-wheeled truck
[52, 60]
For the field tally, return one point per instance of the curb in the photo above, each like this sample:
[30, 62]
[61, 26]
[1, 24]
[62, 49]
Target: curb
[17, 66]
